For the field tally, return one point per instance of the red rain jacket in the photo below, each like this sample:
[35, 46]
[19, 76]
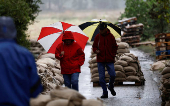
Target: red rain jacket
[107, 46]
[73, 57]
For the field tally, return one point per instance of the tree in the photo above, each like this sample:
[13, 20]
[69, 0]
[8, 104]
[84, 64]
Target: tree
[24, 13]
[151, 13]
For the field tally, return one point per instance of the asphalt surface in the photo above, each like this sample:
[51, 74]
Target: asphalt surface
[146, 95]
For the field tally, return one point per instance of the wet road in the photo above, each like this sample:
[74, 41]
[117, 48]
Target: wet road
[147, 95]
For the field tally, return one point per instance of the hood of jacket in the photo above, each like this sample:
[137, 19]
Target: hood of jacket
[7, 28]
[67, 35]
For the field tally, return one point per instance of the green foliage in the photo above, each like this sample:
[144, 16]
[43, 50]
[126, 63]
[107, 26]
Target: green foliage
[154, 14]
[23, 12]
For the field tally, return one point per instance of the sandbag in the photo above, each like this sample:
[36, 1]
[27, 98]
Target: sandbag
[95, 79]
[95, 75]
[40, 100]
[59, 78]
[120, 74]
[130, 55]
[120, 79]
[129, 69]
[166, 83]
[126, 58]
[93, 55]
[46, 55]
[42, 64]
[47, 61]
[130, 73]
[122, 45]
[94, 65]
[157, 66]
[41, 69]
[55, 70]
[123, 50]
[66, 93]
[118, 40]
[118, 68]
[167, 103]
[107, 75]
[94, 70]
[166, 76]
[58, 102]
[91, 102]
[121, 62]
[94, 60]
[166, 70]
[135, 65]
[133, 78]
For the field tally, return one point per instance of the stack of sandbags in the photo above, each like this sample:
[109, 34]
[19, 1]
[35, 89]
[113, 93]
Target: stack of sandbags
[128, 68]
[123, 47]
[165, 85]
[36, 48]
[63, 96]
[49, 71]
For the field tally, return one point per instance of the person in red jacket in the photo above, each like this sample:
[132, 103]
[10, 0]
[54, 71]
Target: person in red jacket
[106, 48]
[71, 58]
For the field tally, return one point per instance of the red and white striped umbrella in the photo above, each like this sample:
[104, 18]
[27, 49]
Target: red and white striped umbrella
[50, 36]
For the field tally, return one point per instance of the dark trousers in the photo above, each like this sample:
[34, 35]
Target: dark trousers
[71, 80]
[111, 72]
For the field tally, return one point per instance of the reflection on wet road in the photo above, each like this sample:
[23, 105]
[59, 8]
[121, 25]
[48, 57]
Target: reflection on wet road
[147, 95]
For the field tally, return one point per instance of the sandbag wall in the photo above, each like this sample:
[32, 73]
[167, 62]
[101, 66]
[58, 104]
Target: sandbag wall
[165, 88]
[48, 68]
[63, 96]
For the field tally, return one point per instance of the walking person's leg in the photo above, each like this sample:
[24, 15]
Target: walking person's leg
[75, 81]
[111, 72]
[101, 70]
[67, 80]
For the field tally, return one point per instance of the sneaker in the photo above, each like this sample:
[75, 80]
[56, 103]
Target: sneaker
[104, 96]
[112, 91]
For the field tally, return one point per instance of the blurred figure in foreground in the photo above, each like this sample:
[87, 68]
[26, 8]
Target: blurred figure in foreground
[71, 58]
[19, 80]
[105, 47]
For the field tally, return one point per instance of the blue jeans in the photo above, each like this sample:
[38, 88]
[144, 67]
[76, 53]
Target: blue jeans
[111, 72]
[71, 80]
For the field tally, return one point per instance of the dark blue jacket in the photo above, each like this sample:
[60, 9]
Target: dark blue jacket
[19, 80]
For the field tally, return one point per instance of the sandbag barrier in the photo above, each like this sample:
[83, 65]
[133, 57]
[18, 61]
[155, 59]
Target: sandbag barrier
[63, 96]
[48, 68]
[127, 68]
[165, 88]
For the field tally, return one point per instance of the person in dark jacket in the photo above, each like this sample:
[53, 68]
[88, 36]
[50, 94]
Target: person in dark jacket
[19, 80]
[71, 58]
[106, 48]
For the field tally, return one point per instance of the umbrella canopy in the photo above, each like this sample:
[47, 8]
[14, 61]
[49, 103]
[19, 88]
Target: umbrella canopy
[91, 28]
[50, 36]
